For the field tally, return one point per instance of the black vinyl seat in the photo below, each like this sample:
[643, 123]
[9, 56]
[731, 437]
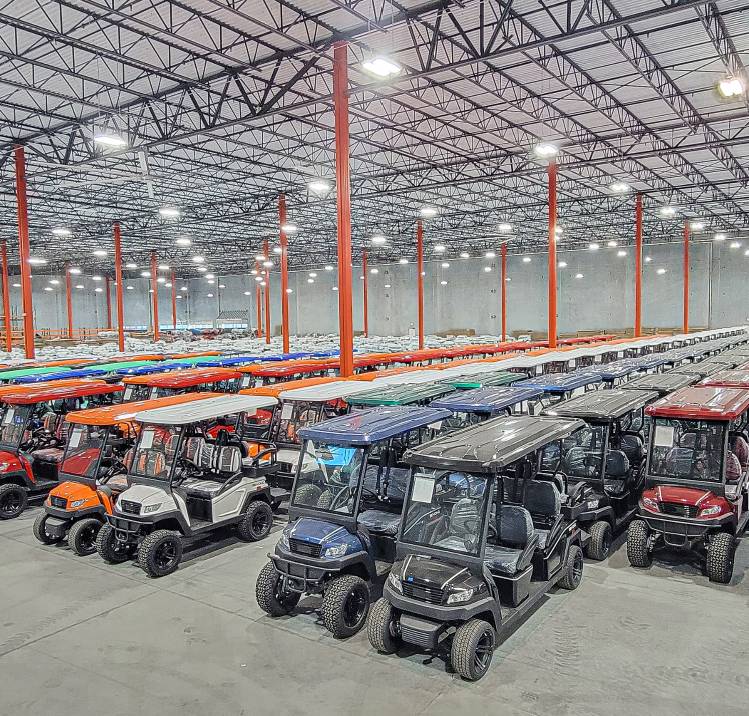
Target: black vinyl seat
[516, 541]
[386, 523]
[543, 500]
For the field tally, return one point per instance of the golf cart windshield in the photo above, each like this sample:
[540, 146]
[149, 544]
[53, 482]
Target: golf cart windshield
[582, 452]
[328, 477]
[13, 428]
[136, 392]
[296, 414]
[84, 450]
[689, 450]
[155, 453]
[257, 425]
[445, 510]
[463, 419]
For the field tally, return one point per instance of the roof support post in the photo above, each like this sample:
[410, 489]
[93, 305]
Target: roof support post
[118, 287]
[24, 252]
[284, 273]
[503, 289]
[685, 322]
[552, 322]
[365, 296]
[638, 265]
[6, 299]
[155, 289]
[69, 299]
[420, 278]
[267, 292]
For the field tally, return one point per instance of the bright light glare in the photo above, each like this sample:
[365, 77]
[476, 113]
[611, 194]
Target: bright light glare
[661, 271]
[621, 253]
[169, 212]
[720, 237]
[668, 211]
[546, 149]
[490, 254]
[464, 255]
[578, 275]
[440, 249]
[319, 185]
[378, 239]
[74, 271]
[619, 187]
[183, 241]
[62, 232]
[526, 259]
[403, 261]
[37, 260]
[328, 268]
[696, 226]
[562, 264]
[594, 246]
[289, 228]
[428, 212]
[109, 139]
[504, 228]
[487, 269]
[381, 67]
[730, 87]
[198, 259]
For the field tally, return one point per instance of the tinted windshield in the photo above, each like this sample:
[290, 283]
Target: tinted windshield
[328, 477]
[14, 425]
[582, 452]
[688, 450]
[445, 510]
[461, 419]
[155, 452]
[85, 446]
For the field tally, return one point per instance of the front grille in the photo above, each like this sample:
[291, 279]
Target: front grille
[423, 592]
[132, 508]
[306, 548]
[58, 501]
[678, 510]
[416, 637]
[286, 467]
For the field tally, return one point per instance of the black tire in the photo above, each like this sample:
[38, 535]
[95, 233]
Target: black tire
[270, 595]
[160, 553]
[82, 536]
[380, 627]
[307, 495]
[325, 500]
[345, 605]
[637, 545]
[572, 572]
[600, 540]
[109, 549]
[256, 522]
[40, 531]
[720, 554]
[473, 648]
[13, 501]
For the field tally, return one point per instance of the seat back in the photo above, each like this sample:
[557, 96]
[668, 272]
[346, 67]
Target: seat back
[574, 463]
[51, 422]
[514, 526]
[193, 449]
[543, 500]
[617, 464]
[151, 462]
[207, 456]
[464, 517]
[229, 459]
[740, 448]
[633, 447]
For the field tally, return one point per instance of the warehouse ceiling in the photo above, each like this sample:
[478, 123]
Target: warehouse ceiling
[225, 104]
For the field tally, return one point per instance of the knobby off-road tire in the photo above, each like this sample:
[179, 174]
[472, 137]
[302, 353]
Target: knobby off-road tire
[380, 627]
[720, 555]
[109, 549]
[345, 605]
[573, 568]
[256, 522]
[637, 545]
[270, 595]
[599, 546]
[160, 553]
[82, 536]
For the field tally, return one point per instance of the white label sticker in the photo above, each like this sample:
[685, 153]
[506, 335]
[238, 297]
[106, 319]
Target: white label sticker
[9, 413]
[664, 436]
[128, 393]
[75, 438]
[286, 410]
[435, 426]
[146, 442]
[258, 382]
[423, 489]
[245, 382]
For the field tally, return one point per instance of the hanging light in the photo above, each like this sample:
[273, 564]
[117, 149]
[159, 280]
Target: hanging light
[546, 149]
[60, 231]
[169, 212]
[381, 66]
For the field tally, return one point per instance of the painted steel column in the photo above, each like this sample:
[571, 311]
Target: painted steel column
[6, 299]
[267, 293]
[420, 278]
[638, 265]
[24, 252]
[155, 288]
[365, 297]
[284, 273]
[118, 287]
[343, 206]
[258, 300]
[503, 288]
[552, 330]
[69, 299]
[685, 322]
[107, 288]
[174, 301]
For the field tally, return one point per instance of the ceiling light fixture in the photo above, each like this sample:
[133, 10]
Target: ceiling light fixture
[667, 211]
[328, 267]
[319, 185]
[445, 264]
[169, 212]
[109, 139]
[594, 246]
[465, 255]
[504, 228]
[562, 264]
[62, 232]
[546, 149]
[74, 271]
[579, 275]
[183, 241]
[526, 259]
[428, 212]
[289, 228]
[131, 266]
[619, 187]
[378, 239]
[661, 271]
[490, 255]
[612, 244]
[719, 237]
[487, 269]
[374, 271]
[198, 259]
[37, 260]
[730, 87]
[380, 66]
[440, 249]
[403, 261]
[621, 253]
[696, 226]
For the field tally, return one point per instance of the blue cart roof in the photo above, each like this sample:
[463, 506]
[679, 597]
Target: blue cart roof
[370, 426]
[652, 360]
[228, 361]
[560, 382]
[618, 369]
[486, 400]
[61, 375]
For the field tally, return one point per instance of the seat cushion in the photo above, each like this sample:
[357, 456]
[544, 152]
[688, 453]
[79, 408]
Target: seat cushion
[380, 521]
[515, 526]
[201, 488]
[50, 455]
[502, 559]
[543, 535]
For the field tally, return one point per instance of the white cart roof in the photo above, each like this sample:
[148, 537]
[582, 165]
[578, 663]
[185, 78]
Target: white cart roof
[327, 391]
[207, 409]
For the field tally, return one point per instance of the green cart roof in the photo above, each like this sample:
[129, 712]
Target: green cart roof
[402, 394]
[484, 380]
[23, 372]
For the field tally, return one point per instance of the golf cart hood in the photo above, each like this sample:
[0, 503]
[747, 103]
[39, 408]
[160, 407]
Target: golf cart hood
[310, 529]
[14, 462]
[433, 572]
[72, 491]
[144, 494]
[693, 496]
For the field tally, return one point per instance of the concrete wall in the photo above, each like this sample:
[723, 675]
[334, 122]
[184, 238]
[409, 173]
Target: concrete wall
[603, 299]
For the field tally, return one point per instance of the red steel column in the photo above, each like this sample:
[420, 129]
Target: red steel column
[118, 292]
[365, 297]
[174, 301]
[107, 289]
[343, 206]
[258, 301]
[638, 265]
[155, 287]
[284, 274]
[552, 172]
[503, 289]
[420, 278]
[69, 299]
[267, 293]
[6, 299]
[24, 252]
[685, 323]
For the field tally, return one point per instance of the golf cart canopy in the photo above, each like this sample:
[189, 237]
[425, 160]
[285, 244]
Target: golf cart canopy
[275, 389]
[702, 403]
[406, 394]
[561, 382]
[9, 375]
[618, 369]
[650, 361]
[490, 446]
[662, 383]
[603, 405]
[385, 373]
[483, 378]
[187, 378]
[701, 370]
[323, 392]
[486, 400]
[196, 411]
[284, 369]
[113, 414]
[31, 396]
[76, 373]
[728, 379]
[421, 375]
[365, 428]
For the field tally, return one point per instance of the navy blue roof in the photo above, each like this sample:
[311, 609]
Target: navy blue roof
[486, 400]
[561, 382]
[370, 426]
[228, 361]
[618, 369]
[62, 375]
[162, 367]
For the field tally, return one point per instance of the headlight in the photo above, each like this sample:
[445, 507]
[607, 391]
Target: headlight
[395, 583]
[708, 511]
[77, 503]
[4, 466]
[284, 541]
[337, 551]
[151, 508]
[459, 597]
[732, 491]
[651, 504]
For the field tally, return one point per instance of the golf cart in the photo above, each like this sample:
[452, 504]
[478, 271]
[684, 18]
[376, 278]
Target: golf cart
[484, 379]
[606, 460]
[187, 480]
[149, 387]
[344, 513]
[557, 387]
[484, 535]
[695, 496]
[93, 472]
[398, 394]
[661, 383]
[33, 434]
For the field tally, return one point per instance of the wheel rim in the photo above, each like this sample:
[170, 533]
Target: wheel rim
[11, 503]
[577, 568]
[355, 607]
[166, 555]
[484, 649]
[260, 521]
[87, 538]
[281, 595]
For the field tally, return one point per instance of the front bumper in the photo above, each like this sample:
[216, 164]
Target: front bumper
[680, 531]
[308, 575]
[128, 529]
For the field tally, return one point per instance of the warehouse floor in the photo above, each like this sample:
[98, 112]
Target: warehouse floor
[78, 636]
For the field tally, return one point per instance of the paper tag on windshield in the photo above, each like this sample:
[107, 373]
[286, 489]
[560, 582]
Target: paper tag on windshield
[286, 410]
[423, 489]
[75, 438]
[258, 382]
[9, 413]
[128, 393]
[146, 442]
[664, 436]
[435, 426]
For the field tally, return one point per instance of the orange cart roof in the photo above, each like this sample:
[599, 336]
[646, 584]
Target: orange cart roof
[61, 392]
[183, 378]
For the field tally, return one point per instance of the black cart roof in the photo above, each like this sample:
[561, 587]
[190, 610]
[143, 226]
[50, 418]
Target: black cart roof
[603, 405]
[662, 383]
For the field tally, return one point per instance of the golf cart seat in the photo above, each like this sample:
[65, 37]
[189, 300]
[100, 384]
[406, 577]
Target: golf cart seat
[396, 479]
[633, 447]
[543, 501]
[617, 469]
[740, 449]
[51, 456]
[197, 487]
[464, 521]
[574, 463]
[516, 542]
[386, 523]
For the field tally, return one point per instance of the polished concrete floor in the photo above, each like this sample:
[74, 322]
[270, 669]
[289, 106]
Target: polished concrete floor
[81, 637]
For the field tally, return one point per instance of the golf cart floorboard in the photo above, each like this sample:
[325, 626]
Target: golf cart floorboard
[537, 591]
